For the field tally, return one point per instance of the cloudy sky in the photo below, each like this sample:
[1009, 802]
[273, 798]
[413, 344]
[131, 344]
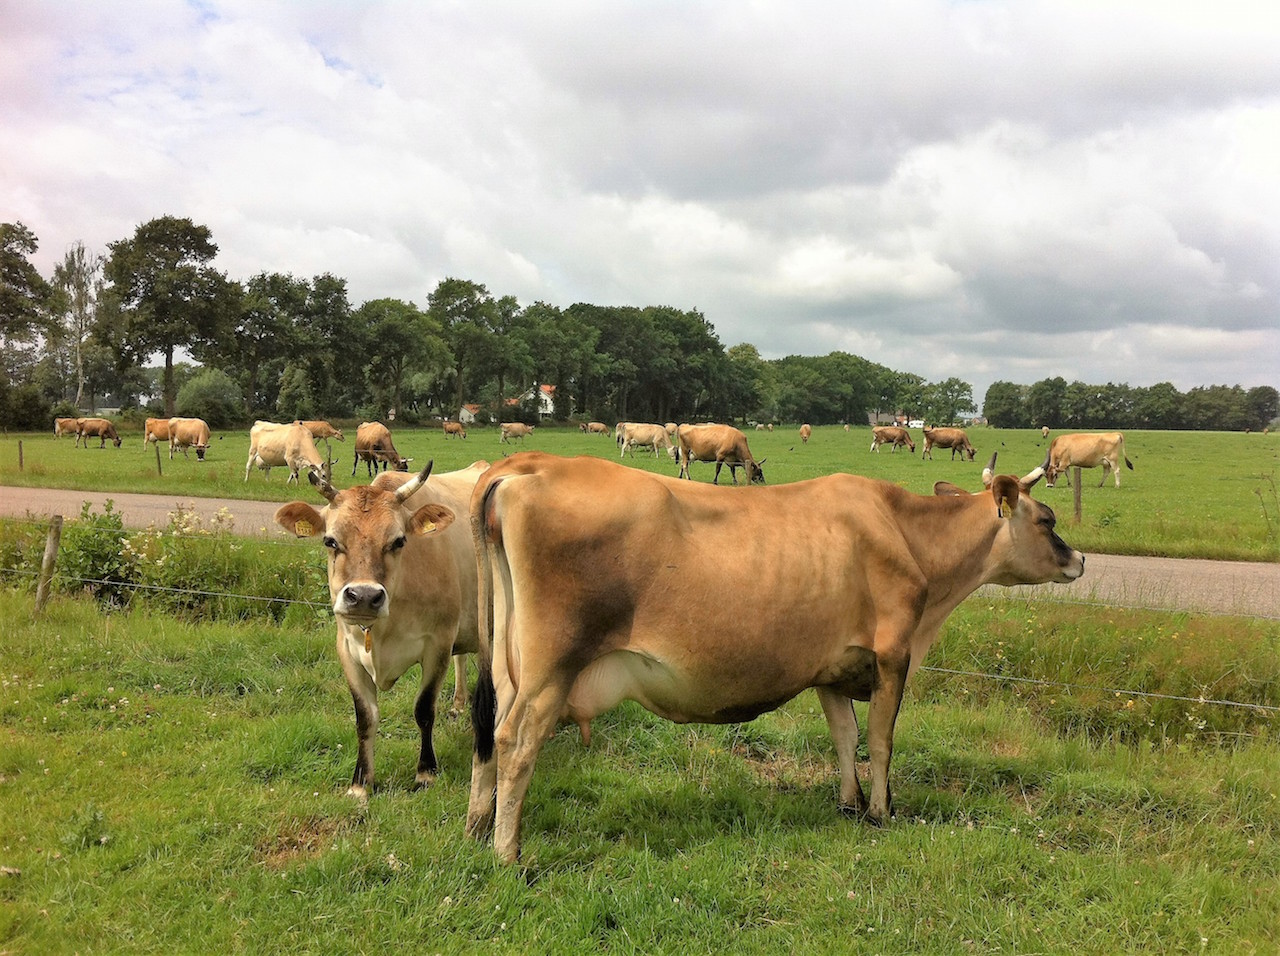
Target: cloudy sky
[1012, 189]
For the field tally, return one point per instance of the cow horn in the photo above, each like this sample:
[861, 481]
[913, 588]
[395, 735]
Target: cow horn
[1034, 476]
[989, 473]
[322, 484]
[414, 483]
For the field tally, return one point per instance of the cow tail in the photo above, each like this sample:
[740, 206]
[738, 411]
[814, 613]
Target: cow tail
[1128, 462]
[484, 703]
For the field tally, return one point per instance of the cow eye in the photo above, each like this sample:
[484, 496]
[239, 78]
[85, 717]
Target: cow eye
[330, 542]
[397, 544]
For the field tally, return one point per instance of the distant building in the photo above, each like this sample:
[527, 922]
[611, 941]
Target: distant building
[468, 414]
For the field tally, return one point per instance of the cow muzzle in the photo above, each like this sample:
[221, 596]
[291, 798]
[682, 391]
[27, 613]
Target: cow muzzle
[361, 602]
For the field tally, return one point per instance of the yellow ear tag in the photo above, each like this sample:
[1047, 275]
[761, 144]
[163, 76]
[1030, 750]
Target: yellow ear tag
[302, 528]
[428, 528]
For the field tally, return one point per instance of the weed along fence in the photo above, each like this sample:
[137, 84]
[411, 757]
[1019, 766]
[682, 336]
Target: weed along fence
[203, 572]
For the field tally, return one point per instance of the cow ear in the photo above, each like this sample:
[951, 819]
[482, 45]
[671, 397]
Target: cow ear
[430, 518]
[299, 518]
[1005, 490]
[946, 488]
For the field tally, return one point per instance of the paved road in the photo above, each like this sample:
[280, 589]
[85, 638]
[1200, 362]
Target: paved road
[1216, 587]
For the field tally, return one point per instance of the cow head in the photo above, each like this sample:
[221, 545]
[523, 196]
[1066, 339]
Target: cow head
[365, 530]
[754, 470]
[1027, 549]
[200, 450]
[117, 440]
[911, 444]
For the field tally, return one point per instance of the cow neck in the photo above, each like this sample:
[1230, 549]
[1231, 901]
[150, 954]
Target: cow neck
[953, 540]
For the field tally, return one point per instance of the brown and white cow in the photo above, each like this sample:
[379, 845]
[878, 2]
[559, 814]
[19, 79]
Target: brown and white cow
[1086, 451]
[402, 579]
[375, 448]
[65, 426]
[187, 433]
[723, 444]
[455, 429]
[156, 430]
[891, 435]
[805, 431]
[100, 428]
[512, 430]
[603, 583]
[278, 445]
[648, 436]
[953, 438]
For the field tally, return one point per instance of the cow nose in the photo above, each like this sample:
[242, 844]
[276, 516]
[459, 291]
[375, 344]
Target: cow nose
[364, 597]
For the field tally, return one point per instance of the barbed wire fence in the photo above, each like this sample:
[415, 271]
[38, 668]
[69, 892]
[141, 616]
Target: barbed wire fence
[324, 607]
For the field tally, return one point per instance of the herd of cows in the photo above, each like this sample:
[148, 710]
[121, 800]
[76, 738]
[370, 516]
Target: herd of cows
[579, 583]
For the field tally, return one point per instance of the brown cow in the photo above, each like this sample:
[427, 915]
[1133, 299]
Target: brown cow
[723, 444]
[187, 433]
[402, 579]
[65, 426]
[805, 431]
[321, 430]
[1085, 451]
[596, 428]
[375, 448]
[953, 438]
[156, 430]
[605, 583]
[99, 428]
[455, 429]
[276, 445]
[650, 436]
[512, 430]
[891, 435]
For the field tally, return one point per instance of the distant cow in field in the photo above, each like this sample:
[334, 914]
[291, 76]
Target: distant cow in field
[650, 436]
[1044, 431]
[156, 430]
[953, 438]
[99, 428]
[891, 435]
[595, 428]
[805, 431]
[64, 426]
[723, 444]
[512, 430]
[375, 448]
[455, 429]
[1086, 451]
[273, 445]
[187, 433]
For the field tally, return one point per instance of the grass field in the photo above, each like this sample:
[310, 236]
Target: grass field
[168, 787]
[1191, 494]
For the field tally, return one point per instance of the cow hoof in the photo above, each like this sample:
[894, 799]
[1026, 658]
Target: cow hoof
[423, 780]
[479, 827]
[359, 791]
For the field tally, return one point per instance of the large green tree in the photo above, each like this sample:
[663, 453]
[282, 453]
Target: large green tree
[466, 312]
[24, 297]
[169, 295]
[267, 330]
[403, 337]
[77, 281]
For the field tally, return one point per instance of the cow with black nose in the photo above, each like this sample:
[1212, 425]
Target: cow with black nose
[402, 579]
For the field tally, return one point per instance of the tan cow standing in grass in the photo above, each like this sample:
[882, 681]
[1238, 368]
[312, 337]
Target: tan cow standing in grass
[723, 444]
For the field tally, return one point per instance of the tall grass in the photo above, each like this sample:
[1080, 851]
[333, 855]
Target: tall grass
[172, 786]
[1191, 494]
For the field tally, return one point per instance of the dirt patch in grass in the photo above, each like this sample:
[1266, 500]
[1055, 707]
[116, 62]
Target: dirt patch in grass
[298, 839]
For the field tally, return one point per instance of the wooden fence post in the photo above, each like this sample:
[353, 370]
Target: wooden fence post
[158, 471]
[19, 454]
[46, 564]
[1075, 473]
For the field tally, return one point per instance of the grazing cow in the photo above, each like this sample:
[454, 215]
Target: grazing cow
[65, 426]
[512, 430]
[291, 446]
[759, 427]
[600, 583]
[99, 428]
[156, 430]
[891, 435]
[805, 431]
[402, 579]
[953, 438]
[1044, 431]
[846, 427]
[671, 431]
[375, 448]
[596, 428]
[187, 433]
[1086, 451]
[651, 436]
[455, 429]
[723, 444]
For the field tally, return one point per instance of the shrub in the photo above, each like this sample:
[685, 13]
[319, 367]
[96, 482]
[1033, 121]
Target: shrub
[213, 395]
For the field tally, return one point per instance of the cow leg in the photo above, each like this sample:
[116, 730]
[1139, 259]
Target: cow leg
[424, 713]
[1106, 466]
[886, 698]
[248, 465]
[844, 732]
[355, 462]
[364, 696]
[519, 739]
[459, 705]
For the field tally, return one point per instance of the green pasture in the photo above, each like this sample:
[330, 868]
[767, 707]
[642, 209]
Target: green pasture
[172, 787]
[1191, 494]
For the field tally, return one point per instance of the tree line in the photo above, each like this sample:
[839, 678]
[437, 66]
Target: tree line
[282, 347]
[1061, 404]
